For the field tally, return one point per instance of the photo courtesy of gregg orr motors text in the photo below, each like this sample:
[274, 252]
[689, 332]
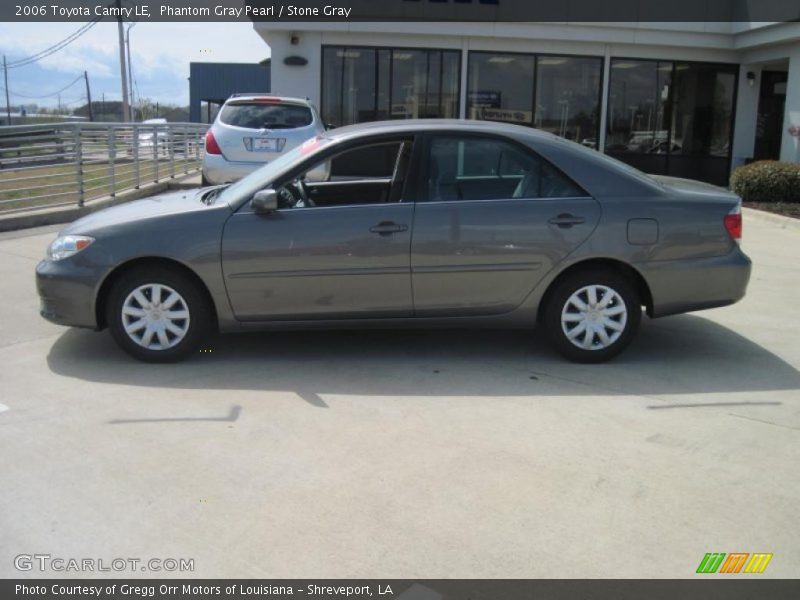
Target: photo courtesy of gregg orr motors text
[47, 563]
[150, 591]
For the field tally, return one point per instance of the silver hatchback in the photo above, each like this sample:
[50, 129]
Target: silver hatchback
[254, 129]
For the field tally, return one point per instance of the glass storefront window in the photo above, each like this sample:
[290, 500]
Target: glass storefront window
[672, 118]
[560, 94]
[410, 77]
[349, 85]
[501, 87]
[702, 109]
[637, 101]
[568, 97]
[367, 84]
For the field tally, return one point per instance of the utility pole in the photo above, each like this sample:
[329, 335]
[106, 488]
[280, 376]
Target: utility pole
[126, 109]
[5, 79]
[130, 68]
[88, 96]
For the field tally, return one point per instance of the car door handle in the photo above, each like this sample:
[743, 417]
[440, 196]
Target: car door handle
[566, 220]
[388, 228]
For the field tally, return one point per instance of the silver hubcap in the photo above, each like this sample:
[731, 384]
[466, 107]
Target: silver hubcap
[155, 316]
[594, 317]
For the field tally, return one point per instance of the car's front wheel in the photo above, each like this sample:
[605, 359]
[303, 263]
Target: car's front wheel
[592, 316]
[157, 314]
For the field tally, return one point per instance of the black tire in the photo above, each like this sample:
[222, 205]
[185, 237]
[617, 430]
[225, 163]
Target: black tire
[599, 351]
[192, 298]
[203, 181]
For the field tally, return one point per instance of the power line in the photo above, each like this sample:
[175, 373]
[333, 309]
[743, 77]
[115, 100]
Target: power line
[56, 93]
[55, 47]
[68, 102]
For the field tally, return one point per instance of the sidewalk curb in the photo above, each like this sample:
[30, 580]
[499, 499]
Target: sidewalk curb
[768, 217]
[67, 214]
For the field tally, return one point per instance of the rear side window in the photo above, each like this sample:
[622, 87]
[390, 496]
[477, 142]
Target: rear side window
[480, 168]
[258, 115]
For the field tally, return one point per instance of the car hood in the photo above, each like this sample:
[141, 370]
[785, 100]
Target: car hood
[691, 186]
[154, 207]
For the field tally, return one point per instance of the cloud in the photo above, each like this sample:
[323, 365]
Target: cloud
[161, 53]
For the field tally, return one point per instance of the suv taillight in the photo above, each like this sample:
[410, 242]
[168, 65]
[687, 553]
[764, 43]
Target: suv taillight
[733, 223]
[211, 144]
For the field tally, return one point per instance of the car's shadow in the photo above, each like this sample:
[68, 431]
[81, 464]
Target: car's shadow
[679, 355]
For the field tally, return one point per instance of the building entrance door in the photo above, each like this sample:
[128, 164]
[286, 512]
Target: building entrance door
[771, 104]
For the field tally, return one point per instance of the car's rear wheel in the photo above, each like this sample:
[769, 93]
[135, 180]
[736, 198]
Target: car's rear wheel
[204, 182]
[592, 316]
[158, 314]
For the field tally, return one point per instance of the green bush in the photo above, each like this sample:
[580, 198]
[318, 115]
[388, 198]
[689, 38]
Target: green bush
[767, 181]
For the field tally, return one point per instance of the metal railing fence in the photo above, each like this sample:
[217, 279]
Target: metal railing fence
[59, 164]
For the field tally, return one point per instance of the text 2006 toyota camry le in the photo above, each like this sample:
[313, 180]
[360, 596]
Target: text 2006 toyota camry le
[414, 223]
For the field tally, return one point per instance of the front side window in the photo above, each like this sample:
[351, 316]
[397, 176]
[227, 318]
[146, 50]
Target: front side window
[479, 168]
[263, 115]
[373, 173]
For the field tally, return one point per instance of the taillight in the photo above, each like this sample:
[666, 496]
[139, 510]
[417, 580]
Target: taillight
[211, 144]
[733, 223]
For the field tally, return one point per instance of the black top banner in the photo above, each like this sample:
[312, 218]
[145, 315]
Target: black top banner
[403, 10]
[712, 588]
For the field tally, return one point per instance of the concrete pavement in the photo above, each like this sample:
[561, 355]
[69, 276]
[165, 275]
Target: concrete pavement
[408, 453]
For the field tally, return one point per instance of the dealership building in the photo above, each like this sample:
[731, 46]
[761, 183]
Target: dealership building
[684, 99]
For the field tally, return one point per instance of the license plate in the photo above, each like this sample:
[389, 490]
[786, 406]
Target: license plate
[265, 145]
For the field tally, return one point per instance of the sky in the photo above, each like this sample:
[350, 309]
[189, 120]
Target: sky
[160, 54]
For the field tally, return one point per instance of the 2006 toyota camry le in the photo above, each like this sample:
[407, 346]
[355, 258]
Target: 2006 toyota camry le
[409, 223]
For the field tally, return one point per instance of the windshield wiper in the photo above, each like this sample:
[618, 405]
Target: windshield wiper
[211, 194]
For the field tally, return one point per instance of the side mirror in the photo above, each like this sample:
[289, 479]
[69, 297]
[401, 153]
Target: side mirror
[265, 201]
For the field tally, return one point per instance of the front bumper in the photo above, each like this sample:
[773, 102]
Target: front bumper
[681, 286]
[67, 293]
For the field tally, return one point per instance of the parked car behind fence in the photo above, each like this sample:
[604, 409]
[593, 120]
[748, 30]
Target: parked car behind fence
[253, 129]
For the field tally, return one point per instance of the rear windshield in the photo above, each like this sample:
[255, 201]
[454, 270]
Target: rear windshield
[255, 115]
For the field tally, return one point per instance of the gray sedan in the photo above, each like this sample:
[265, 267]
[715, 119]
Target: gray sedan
[416, 223]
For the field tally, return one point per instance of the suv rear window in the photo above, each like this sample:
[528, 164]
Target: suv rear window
[258, 115]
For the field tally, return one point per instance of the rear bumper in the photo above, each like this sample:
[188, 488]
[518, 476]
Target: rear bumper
[66, 294]
[686, 285]
[217, 169]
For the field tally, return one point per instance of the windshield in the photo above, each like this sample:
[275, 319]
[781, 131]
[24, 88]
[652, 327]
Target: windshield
[260, 115]
[261, 178]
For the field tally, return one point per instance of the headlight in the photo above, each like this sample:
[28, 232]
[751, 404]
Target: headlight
[67, 245]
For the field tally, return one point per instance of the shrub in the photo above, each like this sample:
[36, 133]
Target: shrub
[767, 181]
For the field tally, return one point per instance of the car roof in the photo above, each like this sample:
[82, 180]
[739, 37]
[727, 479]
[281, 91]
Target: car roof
[416, 125]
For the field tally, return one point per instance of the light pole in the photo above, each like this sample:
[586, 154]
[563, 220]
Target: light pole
[126, 113]
[130, 68]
